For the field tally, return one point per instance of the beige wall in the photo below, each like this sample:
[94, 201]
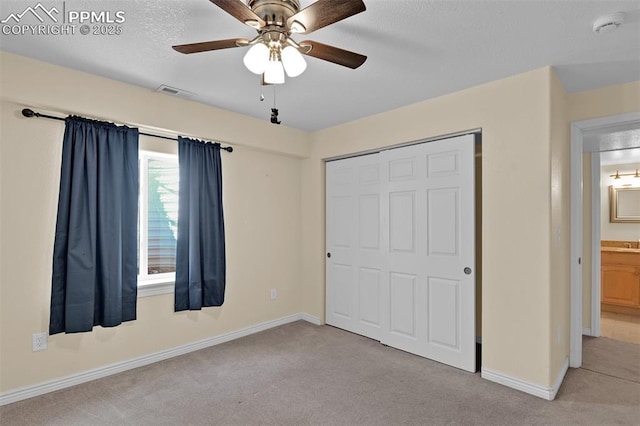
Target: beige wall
[560, 244]
[615, 230]
[604, 102]
[262, 199]
[274, 205]
[514, 115]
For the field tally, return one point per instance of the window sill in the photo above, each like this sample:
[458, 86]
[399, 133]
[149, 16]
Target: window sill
[155, 287]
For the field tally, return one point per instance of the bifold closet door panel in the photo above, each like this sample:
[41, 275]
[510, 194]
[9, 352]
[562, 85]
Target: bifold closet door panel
[355, 258]
[430, 303]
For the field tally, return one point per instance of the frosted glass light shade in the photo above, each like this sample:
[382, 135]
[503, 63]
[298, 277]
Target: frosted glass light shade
[256, 58]
[274, 73]
[293, 62]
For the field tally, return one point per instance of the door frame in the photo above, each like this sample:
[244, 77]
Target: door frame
[578, 129]
[594, 329]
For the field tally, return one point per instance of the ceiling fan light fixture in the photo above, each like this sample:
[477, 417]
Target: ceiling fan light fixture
[293, 62]
[273, 53]
[256, 58]
[274, 72]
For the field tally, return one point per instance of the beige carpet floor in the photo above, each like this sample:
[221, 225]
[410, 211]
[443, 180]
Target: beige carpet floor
[301, 374]
[612, 357]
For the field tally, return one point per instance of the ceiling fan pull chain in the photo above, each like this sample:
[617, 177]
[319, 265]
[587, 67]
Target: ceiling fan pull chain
[274, 96]
[274, 110]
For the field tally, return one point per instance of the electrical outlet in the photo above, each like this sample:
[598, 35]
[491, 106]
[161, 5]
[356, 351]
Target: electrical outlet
[274, 294]
[39, 341]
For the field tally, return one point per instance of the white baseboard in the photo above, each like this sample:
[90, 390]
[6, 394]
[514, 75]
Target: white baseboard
[311, 318]
[119, 367]
[586, 332]
[530, 388]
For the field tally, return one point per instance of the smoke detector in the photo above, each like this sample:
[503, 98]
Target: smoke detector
[608, 23]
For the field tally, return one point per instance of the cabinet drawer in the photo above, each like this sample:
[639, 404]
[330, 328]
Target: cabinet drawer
[620, 258]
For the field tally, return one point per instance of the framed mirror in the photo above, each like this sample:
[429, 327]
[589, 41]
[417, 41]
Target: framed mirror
[624, 204]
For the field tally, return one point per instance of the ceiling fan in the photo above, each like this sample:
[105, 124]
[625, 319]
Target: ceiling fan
[273, 51]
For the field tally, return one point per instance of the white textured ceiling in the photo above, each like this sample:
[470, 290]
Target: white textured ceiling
[417, 49]
[611, 138]
[622, 156]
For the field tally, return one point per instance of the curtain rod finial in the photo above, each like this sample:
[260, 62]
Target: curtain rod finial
[28, 112]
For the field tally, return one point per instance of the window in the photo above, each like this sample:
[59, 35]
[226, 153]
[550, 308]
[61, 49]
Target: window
[158, 223]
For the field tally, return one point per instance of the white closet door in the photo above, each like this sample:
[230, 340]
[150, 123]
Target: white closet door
[354, 271]
[400, 232]
[430, 289]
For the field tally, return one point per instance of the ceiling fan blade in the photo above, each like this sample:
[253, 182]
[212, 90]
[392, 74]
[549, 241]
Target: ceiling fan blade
[332, 54]
[323, 13]
[205, 46]
[240, 11]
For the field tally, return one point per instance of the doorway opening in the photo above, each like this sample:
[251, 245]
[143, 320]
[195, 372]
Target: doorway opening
[592, 137]
[616, 272]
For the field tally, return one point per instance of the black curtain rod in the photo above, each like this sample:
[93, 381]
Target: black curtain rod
[27, 112]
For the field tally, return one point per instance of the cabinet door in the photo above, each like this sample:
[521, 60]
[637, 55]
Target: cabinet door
[620, 285]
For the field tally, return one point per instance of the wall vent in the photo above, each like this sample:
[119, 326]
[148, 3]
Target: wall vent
[173, 91]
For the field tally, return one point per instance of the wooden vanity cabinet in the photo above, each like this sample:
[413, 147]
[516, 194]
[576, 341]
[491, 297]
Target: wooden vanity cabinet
[620, 279]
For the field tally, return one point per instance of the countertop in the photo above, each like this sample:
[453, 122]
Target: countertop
[621, 249]
[620, 246]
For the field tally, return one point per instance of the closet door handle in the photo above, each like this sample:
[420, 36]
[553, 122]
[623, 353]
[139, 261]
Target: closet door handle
[328, 254]
[467, 270]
